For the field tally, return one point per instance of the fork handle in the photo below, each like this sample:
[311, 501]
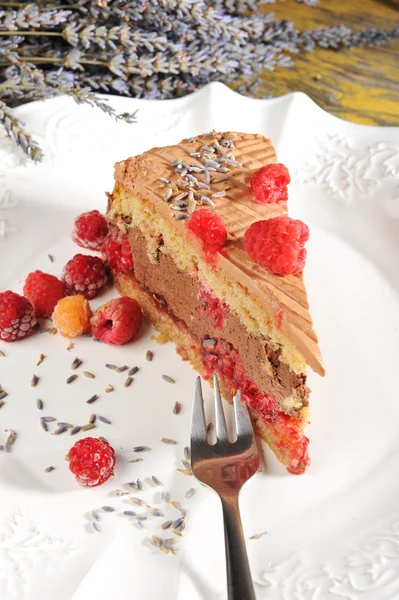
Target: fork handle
[239, 580]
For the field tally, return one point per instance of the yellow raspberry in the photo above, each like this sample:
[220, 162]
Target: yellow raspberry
[71, 316]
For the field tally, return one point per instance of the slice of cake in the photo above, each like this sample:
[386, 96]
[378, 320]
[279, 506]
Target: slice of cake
[201, 238]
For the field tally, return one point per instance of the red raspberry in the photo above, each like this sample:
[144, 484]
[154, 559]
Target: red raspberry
[278, 244]
[43, 291]
[269, 184]
[17, 317]
[118, 254]
[92, 461]
[209, 227]
[90, 230]
[84, 275]
[117, 321]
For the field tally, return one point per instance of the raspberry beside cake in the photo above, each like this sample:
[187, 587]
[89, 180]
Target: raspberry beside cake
[208, 281]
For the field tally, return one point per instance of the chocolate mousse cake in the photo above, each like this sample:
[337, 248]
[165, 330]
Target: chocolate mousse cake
[216, 265]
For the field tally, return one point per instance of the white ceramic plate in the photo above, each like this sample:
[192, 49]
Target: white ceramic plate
[331, 533]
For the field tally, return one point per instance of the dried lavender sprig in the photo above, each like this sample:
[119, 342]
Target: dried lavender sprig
[341, 36]
[31, 15]
[15, 129]
[80, 95]
[202, 73]
[86, 96]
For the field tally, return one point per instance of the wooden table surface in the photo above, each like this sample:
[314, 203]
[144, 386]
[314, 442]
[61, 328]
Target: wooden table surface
[359, 85]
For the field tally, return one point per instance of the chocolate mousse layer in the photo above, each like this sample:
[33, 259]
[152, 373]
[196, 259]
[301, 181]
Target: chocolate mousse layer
[206, 317]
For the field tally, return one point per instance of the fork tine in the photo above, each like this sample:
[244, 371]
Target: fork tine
[221, 430]
[198, 427]
[243, 420]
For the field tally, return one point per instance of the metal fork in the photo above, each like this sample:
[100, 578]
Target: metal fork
[225, 467]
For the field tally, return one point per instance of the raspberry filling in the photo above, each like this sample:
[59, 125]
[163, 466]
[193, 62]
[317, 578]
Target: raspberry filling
[292, 442]
[212, 306]
[219, 356]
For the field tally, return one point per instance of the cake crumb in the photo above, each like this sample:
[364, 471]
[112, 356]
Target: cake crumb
[160, 338]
